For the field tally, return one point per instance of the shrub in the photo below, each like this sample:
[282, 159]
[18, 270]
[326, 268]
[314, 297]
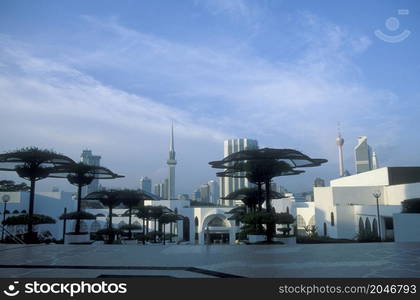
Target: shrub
[411, 206]
[81, 215]
[24, 219]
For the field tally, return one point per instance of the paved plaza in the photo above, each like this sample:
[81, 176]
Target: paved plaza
[310, 260]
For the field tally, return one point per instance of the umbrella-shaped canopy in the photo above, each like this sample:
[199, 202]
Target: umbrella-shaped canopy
[251, 196]
[293, 158]
[32, 163]
[132, 198]
[106, 197]
[83, 174]
[262, 164]
[247, 192]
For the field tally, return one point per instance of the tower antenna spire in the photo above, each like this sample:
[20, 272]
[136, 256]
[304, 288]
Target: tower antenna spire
[340, 142]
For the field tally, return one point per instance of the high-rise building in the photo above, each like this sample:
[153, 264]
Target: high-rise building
[196, 195]
[227, 184]
[156, 189]
[214, 191]
[319, 182]
[205, 193]
[171, 164]
[363, 155]
[146, 184]
[375, 163]
[93, 160]
[340, 142]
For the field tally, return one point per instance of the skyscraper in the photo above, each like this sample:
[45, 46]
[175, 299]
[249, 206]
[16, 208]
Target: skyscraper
[214, 191]
[93, 160]
[146, 184]
[227, 184]
[171, 164]
[156, 189]
[363, 155]
[205, 193]
[340, 142]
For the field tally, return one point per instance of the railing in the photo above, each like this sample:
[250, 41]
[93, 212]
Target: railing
[11, 235]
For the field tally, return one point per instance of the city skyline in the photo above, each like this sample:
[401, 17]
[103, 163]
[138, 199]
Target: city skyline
[110, 78]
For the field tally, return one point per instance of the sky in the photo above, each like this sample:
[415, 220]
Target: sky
[110, 76]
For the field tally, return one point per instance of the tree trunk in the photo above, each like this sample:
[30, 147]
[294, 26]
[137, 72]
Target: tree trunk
[170, 232]
[129, 222]
[79, 205]
[144, 231]
[164, 234]
[154, 236]
[111, 233]
[31, 207]
[270, 225]
[259, 196]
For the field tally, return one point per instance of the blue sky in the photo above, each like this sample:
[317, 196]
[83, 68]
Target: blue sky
[110, 76]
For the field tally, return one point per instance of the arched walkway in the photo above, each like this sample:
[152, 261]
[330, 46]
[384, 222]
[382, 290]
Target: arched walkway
[216, 229]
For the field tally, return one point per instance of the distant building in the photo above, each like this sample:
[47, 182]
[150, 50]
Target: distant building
[214, 191]
[319, 182]
[183, 197]
[227, 184]
[205, 193]
[93, 160]
[156, 189]
[146, 184]
[196, 195]
[363, 155]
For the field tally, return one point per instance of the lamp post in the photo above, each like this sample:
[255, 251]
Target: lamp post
[377, 194]
[5, 199]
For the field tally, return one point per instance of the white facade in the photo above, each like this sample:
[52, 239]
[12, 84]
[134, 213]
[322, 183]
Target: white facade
[346, 207]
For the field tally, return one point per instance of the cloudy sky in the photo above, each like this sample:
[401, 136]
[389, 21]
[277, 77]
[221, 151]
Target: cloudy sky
[111, 75]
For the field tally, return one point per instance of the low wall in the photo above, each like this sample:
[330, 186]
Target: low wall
[407, 227]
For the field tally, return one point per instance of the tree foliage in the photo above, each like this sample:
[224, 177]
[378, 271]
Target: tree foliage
[11, 186]
[25, 219]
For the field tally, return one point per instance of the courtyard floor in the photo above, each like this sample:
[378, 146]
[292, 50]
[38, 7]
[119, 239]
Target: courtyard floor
[309, 260]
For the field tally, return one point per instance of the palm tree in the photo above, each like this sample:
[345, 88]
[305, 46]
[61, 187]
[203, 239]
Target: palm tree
[81, 174]
[32, 164]
[110, 199]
